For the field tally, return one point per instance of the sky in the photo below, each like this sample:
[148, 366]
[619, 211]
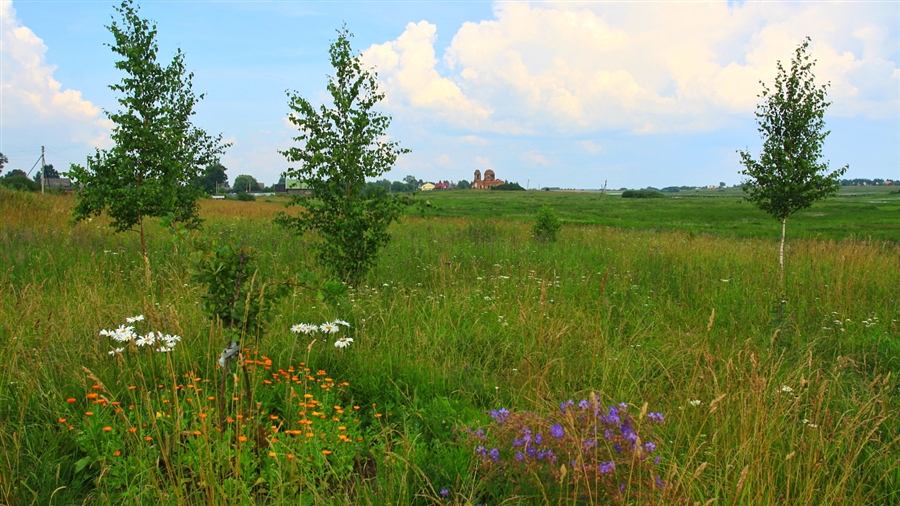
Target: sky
[547, 94]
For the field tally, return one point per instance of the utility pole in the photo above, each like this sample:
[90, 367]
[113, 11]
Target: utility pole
[528, 185]
[43, 174]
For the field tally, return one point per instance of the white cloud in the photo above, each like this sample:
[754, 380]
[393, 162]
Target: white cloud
[535, 159]
[591, 147]
[34, 104]
[642, 67]
[406, 66]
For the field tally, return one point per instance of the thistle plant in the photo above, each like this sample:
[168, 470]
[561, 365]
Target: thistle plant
[583, 451]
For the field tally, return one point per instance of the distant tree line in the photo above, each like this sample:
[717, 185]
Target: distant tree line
[864, 182]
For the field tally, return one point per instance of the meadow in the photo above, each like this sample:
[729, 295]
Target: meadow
[662, 320]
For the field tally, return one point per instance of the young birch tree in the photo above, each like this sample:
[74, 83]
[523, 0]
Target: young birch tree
[339, 147]
[789, 175]
[158, 154]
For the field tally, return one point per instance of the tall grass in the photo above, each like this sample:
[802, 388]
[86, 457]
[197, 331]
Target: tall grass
[767, 400]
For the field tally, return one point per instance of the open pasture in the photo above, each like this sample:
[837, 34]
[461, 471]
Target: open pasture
[769, 396]
[861, 213]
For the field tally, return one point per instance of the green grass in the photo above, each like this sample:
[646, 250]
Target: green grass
[857, 212]
[462, 315]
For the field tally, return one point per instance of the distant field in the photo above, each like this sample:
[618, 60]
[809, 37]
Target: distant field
[866, 213]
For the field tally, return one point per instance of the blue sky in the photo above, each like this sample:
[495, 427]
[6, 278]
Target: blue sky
[567, 94]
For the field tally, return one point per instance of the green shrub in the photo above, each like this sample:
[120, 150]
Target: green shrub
[546, 224]
[20, 183]
[245, 197]
[508, 187]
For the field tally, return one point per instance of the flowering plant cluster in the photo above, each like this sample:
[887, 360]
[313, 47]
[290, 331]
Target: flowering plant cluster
[303, 428]
[125, 334]
[583, 451]
[326, 328]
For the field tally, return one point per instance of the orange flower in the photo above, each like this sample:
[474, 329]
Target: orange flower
[290, 456]
[96, 387]
[242, 439]
[271, 454]
[326, 452]
[89, 413]
[132, 430]
[229, 420]
[132, 387]
[377, 415]
[107, 428]
[148, 438]
[70, 400]
[273, 417]
[92, 395]
[210, 398]
[203, 415]
[197, 433]
[117, 453]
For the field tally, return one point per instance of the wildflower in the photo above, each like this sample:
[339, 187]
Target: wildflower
[107, 429]
[117, 453]
[328, 328]
[70, 400]
[659, 482]
[695, 402]
[520, 456]
[242, 439]
[88, 413]
[649, 446]
[564, 405]
[583, 404]
[326, 452]
[500, 415]
[304, 328]
[62, 420]
[444, 493]
[340, 322]
[343, 342]
[556, 430]
[138, 318]
[606, 467]
[148, 439]
[495, 454]
[656, 417]
[786, 389]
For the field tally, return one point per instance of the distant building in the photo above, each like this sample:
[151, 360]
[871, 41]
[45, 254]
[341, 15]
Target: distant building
[486, 184]
[58, 183]
[427, 187]
[296, 187]
[442, 186]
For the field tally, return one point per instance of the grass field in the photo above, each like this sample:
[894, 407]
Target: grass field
[858, 212]
[669, 305]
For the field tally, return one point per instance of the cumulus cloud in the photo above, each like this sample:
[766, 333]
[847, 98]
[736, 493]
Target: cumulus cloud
[407, 68]
[34, 104]
[571, 68]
